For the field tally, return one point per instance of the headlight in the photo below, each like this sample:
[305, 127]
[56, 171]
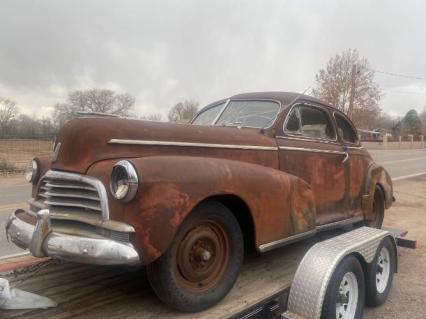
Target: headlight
[31, 172]
[124, 181]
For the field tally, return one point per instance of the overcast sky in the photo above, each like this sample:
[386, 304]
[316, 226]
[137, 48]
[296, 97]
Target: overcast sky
[165, 51]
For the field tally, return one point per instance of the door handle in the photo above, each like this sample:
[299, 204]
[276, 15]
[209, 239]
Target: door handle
[346, 157]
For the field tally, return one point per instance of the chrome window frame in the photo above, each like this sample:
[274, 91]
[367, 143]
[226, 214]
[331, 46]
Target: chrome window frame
[243, 100]
[307, 138]
[224, 102]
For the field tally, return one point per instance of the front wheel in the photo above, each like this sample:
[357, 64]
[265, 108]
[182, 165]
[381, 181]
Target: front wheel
[203, 261]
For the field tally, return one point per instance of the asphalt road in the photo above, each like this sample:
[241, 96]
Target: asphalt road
[14, 191]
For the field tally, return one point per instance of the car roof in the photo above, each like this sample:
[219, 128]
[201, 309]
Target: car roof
[285, 98]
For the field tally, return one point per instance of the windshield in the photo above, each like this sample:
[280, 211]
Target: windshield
[256, 114]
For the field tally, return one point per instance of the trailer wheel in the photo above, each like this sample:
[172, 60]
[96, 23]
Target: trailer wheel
[380, 273]
[203, 262]
[345, 294]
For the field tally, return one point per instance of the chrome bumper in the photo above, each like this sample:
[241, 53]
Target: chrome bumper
[42, 242]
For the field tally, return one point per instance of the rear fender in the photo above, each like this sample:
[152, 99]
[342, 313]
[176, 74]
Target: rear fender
[376, 175]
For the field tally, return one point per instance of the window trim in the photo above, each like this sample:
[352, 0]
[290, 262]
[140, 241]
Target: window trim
[227, 101]
[308, 138]
[254, 100]
[224, 102]
[357, 142]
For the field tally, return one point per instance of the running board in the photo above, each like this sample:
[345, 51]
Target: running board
[292, 239]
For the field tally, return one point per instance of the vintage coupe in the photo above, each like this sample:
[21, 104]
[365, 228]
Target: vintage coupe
[250, 173]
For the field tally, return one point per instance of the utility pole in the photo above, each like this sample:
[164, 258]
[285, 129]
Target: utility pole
[352, 93]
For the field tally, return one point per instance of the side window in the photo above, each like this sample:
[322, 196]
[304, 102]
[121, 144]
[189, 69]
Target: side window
[316, 123]
[293, 122]
[345, 129]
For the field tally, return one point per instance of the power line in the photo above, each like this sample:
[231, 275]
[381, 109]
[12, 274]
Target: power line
[401, 75]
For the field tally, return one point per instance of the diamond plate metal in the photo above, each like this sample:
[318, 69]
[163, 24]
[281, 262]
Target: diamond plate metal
[317, 266]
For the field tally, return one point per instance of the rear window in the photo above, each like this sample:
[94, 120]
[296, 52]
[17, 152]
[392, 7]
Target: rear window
[346, 131]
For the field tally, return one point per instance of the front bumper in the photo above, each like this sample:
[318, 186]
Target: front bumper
[35, 233]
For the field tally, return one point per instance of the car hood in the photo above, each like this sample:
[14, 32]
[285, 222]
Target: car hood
[84, 141]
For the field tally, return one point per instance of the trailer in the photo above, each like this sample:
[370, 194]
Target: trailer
[328, 276]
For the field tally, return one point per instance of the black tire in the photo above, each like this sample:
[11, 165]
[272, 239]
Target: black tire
[374, 296]
[378, 208]
[349, 265]
[202, 263]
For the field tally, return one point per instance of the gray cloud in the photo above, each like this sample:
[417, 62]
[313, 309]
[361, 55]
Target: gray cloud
[165, 51]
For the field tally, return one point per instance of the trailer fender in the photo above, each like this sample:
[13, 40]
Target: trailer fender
[309, 287]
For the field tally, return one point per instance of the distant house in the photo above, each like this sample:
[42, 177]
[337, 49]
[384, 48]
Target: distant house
[375, 135]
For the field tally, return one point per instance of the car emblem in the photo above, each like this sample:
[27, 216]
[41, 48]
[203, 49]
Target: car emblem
[56, 152]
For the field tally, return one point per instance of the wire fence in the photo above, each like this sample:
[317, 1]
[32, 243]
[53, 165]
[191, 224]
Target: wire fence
[16, 153]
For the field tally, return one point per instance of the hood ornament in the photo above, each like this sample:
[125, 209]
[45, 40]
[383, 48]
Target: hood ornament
[56, 152]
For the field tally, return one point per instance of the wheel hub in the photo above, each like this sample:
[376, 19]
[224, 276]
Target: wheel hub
[383, 270]
[202, 255]
[347, 297]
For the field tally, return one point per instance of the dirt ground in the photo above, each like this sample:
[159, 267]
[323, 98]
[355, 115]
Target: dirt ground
[408, 296]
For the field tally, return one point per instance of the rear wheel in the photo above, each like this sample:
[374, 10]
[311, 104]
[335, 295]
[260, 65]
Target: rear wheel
[378, 209]
[202, 263]
[345, 294]
[380, 274]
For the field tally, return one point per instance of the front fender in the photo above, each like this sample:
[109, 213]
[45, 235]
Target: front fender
[280, 204]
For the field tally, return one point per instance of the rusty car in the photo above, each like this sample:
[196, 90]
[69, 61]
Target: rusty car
[249, 173]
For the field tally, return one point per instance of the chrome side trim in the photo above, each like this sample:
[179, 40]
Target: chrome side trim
[285, 241]
[85, 179]
[355, 147]
[305, 139]
[288, 240]
[339, 223]
[190, 144]
[313, 150]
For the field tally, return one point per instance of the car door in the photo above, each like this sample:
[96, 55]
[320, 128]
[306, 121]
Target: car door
[357, 164]
[309, 149]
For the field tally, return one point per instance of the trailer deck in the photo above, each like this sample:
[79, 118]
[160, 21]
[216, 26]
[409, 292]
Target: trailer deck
[83, 291]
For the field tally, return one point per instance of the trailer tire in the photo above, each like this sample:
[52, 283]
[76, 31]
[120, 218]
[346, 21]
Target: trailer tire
[202, 263]
[346, 291]
[380, 273]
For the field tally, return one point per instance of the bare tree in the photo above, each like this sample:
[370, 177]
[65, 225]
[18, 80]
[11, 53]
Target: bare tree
[183, 112]
[8, 111]
[347, 83]
[157, 117]
[94, 100]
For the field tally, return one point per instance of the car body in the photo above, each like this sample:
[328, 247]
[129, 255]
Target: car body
[286, 166]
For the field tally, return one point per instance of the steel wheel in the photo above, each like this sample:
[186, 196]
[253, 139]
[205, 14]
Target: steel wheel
[383, 270]
[202, 255]
[203, 260]
[347, 297]
[380, 273]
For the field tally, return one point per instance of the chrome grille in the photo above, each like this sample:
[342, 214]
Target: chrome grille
[62, 192]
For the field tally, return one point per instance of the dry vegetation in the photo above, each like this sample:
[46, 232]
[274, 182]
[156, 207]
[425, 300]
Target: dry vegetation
[16, 153]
